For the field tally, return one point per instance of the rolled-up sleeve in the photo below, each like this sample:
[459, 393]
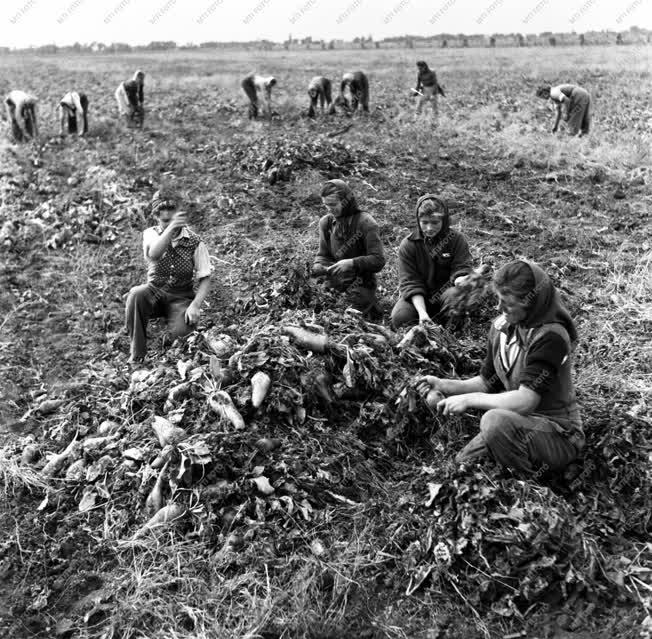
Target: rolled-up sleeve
[203, 267]
[149, 235]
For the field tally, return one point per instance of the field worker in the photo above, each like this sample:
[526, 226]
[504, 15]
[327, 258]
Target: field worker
[319, 89]
[431, 259]
[575, 103]
[73, 114]
[175, 256]
[532, 420]
[130, 97]
[357, 85]
[350, 250]
[258, 89]
[427, 88]
[21, 112]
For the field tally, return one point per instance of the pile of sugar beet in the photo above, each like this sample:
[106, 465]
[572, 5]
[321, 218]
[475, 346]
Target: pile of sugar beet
[302, 405]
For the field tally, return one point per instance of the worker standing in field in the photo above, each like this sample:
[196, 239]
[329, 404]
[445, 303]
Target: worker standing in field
[175, 256]
[430, 260]
[572, 103]
[258, 89]
[350, 249]
[73, 114]
[532, 420]
[427, 89]
[130, 97]
[21, 113]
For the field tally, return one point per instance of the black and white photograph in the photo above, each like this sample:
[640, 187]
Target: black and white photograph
[326, 319]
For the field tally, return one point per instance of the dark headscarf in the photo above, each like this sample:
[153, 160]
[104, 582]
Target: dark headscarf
[342, 225]
[442, 208]
[545, 304]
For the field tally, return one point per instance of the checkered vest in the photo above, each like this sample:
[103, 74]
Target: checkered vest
[176, 267]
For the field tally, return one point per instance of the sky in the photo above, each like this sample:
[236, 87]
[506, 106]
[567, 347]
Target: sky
[63, 22]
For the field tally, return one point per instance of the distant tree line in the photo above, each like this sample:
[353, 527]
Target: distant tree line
[635, 35]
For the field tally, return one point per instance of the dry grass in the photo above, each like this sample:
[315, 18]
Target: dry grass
[196, 588]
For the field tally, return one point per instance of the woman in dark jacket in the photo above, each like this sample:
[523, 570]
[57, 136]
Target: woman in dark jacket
[350, 249]
[532, 420]
[430, 260]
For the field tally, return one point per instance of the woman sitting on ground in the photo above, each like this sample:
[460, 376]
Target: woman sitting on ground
[175, 256]
[532, 420]
[430, 260]
[350, 249]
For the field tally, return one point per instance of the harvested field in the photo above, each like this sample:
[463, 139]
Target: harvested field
[337, 511]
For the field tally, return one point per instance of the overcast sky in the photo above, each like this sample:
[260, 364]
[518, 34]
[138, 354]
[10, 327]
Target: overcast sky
[37, 22]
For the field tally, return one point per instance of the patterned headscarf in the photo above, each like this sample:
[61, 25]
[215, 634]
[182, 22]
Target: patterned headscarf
[164, 199]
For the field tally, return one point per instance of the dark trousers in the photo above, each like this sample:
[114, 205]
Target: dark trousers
[147, 301]
[359, 294]
[523, 442]
[579, 112]
[404, 313]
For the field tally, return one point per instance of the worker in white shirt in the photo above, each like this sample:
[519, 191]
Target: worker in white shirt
[573, 103]
[258, 87]
[21, 112]
[73, 114]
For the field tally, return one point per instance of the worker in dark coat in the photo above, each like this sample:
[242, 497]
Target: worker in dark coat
[428, 89]
[430, 260]
[350, 249]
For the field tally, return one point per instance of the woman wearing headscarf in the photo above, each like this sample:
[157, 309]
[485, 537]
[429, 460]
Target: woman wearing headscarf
[430, 260]
[573, 103]
[350, 249]
[532, 420]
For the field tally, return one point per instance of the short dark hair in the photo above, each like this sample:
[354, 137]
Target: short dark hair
[165, 199]
[543, 91]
